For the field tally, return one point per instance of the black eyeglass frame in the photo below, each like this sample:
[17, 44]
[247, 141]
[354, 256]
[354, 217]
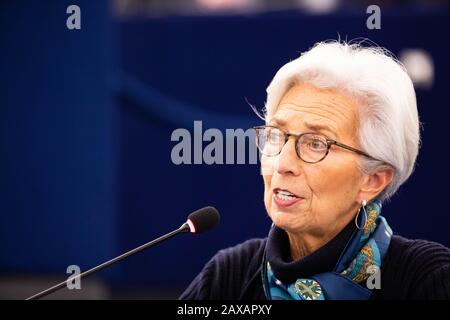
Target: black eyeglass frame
[330, 142]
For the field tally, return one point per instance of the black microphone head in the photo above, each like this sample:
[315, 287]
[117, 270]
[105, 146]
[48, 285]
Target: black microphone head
[203, 219]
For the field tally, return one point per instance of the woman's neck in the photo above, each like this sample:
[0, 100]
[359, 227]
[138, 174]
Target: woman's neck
[302, 244]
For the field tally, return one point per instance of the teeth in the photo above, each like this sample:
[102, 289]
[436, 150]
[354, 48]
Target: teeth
[284, 195]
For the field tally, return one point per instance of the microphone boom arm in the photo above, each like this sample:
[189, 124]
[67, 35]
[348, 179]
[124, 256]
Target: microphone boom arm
[184, 228]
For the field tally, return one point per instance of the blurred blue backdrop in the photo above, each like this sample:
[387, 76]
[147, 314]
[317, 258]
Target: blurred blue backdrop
[87, 116]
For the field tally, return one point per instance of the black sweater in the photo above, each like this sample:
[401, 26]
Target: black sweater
[411, 269]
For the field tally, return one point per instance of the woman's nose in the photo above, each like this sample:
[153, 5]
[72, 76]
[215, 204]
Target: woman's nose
[287, 162]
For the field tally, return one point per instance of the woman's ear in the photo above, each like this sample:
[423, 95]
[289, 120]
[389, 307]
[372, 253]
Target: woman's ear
[375, 183]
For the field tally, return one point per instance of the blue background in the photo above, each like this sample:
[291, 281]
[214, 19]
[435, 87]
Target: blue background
[87, 115]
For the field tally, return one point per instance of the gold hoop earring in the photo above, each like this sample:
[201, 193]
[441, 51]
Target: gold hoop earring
[363, 206]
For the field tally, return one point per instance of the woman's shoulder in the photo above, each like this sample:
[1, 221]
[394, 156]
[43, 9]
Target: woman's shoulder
[246, 250]
[416, 268]
[419, 251]
[241, 261]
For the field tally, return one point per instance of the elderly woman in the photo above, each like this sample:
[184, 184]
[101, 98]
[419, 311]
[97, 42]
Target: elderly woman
[341, 136]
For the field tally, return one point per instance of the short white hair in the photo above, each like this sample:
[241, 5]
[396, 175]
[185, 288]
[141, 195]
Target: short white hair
[389, 124]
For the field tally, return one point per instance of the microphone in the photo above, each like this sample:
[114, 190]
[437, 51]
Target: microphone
[198, 221]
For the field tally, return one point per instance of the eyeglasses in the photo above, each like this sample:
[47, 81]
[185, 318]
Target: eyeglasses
[310, 147]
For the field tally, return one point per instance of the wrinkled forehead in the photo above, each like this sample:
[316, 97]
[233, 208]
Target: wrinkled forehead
[305, 107]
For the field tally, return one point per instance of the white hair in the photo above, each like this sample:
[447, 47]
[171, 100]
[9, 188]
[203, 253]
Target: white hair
[388, 121]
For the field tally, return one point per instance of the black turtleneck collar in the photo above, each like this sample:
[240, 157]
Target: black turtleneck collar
[322, 260]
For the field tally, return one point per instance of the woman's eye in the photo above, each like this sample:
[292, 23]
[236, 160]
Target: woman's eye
[274, 138]
[317, 144]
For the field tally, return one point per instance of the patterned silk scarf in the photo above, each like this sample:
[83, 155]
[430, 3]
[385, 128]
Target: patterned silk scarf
[361, 258]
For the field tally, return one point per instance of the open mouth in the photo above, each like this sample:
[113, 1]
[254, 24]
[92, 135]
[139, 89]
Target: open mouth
[285, 198]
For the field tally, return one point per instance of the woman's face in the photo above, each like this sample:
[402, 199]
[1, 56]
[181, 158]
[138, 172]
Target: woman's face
[326, 192]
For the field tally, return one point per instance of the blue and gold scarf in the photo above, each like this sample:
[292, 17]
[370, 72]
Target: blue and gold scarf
[361, 258]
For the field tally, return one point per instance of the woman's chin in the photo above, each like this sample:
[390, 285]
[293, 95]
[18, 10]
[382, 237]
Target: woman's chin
[285, 220]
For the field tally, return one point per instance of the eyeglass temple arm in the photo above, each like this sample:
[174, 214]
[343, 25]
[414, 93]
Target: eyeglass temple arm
[352, 149]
